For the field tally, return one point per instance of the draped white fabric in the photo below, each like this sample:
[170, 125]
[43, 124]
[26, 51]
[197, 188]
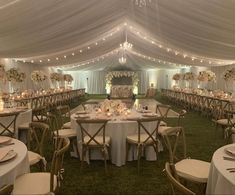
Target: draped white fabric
[32, 29]
[83, 37]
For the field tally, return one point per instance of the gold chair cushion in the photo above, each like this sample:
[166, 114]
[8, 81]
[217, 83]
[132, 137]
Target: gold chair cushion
[67, 133]
[134, 138]
[194, 170]
[162, 129]
[162, 123]
[33, 184]
[222, 121]
[67, 125]
[33, 157]
[99, 139]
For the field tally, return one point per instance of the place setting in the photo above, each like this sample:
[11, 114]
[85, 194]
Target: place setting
[6, 153]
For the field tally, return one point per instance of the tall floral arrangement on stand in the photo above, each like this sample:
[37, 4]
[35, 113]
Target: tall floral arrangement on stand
[15, 77]
[176, 77]
[229, 77]
[68, 79]
[38, 77]
[189, 77]
[206, 76]
[56, 78]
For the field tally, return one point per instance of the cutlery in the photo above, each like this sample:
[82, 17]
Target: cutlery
[7, 144]
[229, 169]
[229, 158]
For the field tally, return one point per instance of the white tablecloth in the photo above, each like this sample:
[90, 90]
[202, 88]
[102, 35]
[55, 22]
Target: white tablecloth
[9, 170]
[221, 181]
[118, 130]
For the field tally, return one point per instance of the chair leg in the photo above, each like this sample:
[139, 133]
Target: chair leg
[127, 150]
[139, 149]
[105, 159]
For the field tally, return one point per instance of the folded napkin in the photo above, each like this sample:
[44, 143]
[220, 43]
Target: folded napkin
[4, 152]
[4, 139]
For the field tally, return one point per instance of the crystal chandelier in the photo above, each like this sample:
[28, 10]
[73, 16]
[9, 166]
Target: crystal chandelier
[142, 3]
[126, 45]
[122, 60]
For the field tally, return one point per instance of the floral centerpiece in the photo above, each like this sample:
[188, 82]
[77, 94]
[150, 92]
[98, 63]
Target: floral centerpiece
[2, 72]
[206, 75]
[176, 77]
[112, 106]
[229, 75]
[118, 74]
[55, 76]
[68, 78]
[189, 76]
[38, 76]
[14, 76]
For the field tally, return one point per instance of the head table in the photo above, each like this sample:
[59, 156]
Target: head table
[118, 128]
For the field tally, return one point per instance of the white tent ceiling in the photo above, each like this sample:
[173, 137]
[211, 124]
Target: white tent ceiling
[86, 34]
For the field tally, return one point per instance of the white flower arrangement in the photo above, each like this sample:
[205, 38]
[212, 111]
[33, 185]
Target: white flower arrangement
[112, 106]
[13, 75]
[206, 75]
[56, 76]
[176, 76]
[38, 76]
[229, 75]
[120, 74]
[68, 78]
[2, 72]
[189, 76]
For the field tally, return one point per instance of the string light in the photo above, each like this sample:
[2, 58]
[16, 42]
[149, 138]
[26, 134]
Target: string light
[145, 37]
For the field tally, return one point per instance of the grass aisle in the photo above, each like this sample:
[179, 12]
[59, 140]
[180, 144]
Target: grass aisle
[202, 140]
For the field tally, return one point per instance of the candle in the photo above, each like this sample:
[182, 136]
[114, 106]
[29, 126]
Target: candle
[109, 114]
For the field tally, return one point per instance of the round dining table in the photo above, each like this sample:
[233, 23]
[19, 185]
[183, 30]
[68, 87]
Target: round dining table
[222, 172]
[118, 128]
[15, 166]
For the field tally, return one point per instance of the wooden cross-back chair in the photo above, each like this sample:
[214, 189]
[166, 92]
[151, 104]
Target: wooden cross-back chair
[36, 141]
[189, 169]
[6, 189]
[144, 137]
[64, 115]
[44, 182]
[94, 138]
[8, 124]
[174, 180]
[163, 111]
[230, 130]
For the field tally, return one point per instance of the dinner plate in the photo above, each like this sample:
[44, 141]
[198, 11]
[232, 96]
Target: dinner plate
[230, 150]
[4, 139]
[81, 112]
[10, 155]
[149, 115]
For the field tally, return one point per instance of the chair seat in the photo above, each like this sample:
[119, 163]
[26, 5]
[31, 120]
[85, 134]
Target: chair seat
[39, 118]
[24, 126]
[162, 123]
[194, 170]
[67, 125]
[222, 122]
[99, 139]
[33, 157]
[33, 183]
[67, 133]
[162, 129]
[134, 138]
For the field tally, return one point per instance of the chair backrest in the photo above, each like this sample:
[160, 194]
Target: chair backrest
[143, 127]
[57, 161]
[163, 110]
[64, 113]
[97, 129]
[175, 184]
[231, 120]
[6, 189]
[36, 136]
[175, 141]
[8, 124]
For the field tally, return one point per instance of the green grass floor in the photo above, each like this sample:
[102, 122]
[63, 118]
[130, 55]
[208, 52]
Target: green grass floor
[202, 140]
